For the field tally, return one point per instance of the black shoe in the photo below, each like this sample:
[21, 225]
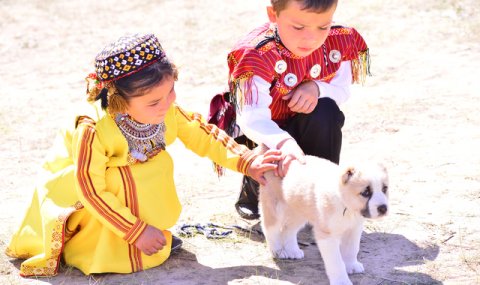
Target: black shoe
[176, 244]
[247, 211]
[247, 204]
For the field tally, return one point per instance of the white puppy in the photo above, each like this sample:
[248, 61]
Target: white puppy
[334, 200]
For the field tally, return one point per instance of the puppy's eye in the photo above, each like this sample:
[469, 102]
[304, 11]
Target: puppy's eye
[385, 189]
[367, 192]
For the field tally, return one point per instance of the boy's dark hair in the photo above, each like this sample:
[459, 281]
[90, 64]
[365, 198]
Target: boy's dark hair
[310, 5]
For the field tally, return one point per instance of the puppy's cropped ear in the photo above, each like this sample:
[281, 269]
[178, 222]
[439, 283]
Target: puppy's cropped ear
[347, 174]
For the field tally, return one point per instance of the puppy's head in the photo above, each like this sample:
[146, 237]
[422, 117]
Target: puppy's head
[364, 189]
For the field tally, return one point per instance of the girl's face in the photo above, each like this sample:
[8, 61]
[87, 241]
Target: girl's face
[301, 31]
[152, 107]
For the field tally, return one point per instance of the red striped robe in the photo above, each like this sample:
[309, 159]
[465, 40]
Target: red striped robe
[254, 55]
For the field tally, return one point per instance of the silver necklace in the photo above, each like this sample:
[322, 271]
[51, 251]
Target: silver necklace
[144, 140]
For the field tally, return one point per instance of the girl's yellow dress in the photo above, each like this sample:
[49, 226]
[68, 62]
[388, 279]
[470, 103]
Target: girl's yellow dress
[95, 201]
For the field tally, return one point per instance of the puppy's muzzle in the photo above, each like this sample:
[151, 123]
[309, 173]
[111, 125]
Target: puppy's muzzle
[382, 210]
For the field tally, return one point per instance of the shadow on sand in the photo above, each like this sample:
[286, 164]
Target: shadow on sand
[377, 254]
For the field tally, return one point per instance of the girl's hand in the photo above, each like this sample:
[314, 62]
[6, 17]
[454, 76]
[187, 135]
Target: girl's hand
[263, 163]
[291, 151]
[151, 240]
[304, 98]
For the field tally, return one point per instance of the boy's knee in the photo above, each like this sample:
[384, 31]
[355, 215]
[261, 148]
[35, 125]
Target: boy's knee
[327, 113]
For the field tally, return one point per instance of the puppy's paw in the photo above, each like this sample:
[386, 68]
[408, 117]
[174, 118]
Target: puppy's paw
[289, 253]
[354, 267]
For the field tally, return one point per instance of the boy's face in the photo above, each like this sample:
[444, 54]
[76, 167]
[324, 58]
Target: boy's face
[301, 31]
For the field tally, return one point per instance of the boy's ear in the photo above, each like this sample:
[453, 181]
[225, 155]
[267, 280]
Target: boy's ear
[272, 15]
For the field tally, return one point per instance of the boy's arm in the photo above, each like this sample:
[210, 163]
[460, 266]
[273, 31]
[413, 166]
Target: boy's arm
[255, 120]
[338, 88]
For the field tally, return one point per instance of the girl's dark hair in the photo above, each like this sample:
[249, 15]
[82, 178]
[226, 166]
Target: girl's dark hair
[310, 5]
[140, 82]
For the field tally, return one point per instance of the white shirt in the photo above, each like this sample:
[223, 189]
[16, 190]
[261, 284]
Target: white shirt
[255, 120]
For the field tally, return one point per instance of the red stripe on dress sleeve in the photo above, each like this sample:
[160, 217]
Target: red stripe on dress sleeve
[88, 188]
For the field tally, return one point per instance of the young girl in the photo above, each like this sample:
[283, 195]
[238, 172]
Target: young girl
[110, 196]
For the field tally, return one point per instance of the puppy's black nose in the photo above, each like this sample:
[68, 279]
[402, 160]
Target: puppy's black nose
[382, 209]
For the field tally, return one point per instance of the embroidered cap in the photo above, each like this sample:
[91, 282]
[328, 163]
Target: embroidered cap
[127, 55]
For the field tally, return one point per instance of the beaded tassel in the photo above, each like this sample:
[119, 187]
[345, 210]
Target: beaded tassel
[361, 67]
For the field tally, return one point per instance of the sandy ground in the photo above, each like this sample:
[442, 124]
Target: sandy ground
[418, 115]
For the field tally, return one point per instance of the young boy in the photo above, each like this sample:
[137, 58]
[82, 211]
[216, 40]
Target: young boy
[286, 81]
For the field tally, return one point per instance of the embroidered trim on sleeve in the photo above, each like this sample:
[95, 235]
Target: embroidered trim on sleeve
[87, 186]
[245, 161]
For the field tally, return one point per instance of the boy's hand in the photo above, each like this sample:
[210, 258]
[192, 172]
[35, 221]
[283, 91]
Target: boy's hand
[261, 164]
[291, 151]
[151, 240]
[304, 98]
